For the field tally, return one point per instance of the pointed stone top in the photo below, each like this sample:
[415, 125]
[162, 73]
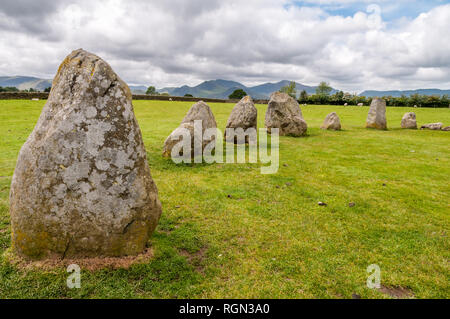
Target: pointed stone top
[200, 111]
[88, 73]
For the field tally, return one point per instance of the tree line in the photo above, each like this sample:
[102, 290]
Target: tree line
[323, 96]
[14, 89]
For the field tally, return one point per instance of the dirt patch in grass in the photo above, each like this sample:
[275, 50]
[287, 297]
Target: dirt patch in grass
[90, 264]
[195, 259]
[397, 292]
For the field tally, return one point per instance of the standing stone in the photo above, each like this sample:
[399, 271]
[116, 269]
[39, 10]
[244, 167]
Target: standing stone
[409, 121]
[377, 115]
[283, 112]
[244, 115]
[82, 185]
[200, 111]
[332, 122]
[432, 126]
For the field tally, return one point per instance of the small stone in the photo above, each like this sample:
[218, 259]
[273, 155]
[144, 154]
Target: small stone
[447, 128]
[288, 184]
[356, 296]
[177, 206]
[432, 126]
[351, 204]
[285, 165]
[384, 185]
[229, 196]
[332, 122]
[322, 204]
[277, 186]
[409, 121]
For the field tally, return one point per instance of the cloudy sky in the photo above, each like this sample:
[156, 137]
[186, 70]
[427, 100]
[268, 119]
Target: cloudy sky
[354, 45]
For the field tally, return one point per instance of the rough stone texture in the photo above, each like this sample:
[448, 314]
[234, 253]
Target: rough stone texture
[332, 122]
[409, 121]
[283, 112]
[244, 115]
[377, 115]
[447, 129]
[82, 185]
[432, 126]
[200, 111]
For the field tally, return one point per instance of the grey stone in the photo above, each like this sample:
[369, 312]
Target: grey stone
[447, 128]
[284, 113]
[432, 126]
[244, 115]
[200, 111]
[82, 185]
[409, 121]
[377, 115]
[332, 122]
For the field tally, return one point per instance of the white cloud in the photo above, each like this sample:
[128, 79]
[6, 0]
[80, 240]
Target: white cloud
[168, 43]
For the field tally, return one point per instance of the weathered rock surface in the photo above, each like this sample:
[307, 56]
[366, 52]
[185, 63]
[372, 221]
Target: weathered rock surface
[82, 185]
[377, 115]
[409, 121]
[432, 126]
[244, 115]
[332, 122]
[447, 128]
[283, 112]
[200, 111]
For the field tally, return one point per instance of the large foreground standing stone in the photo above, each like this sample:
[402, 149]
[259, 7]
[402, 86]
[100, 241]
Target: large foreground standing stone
[377, 114]
[200, 111]
[432, 126]
[283, 112]
[409, 121]
[244, 115]
[332, 122]
[82, 185]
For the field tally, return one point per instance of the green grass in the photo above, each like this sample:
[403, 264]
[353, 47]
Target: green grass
[269, 242]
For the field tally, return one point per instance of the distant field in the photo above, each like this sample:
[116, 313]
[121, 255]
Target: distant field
[269, 242]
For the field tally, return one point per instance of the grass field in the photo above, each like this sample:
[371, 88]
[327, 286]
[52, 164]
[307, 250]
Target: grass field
[271, 239]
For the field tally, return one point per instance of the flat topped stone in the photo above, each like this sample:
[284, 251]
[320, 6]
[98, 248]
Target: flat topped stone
[332, 122]
[284, 113]
[377, 115]
[432, 126]
[82, 185]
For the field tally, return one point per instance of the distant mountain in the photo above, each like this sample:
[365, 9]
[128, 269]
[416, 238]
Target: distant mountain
[397, 93]
[25, 82]
[221, 89]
